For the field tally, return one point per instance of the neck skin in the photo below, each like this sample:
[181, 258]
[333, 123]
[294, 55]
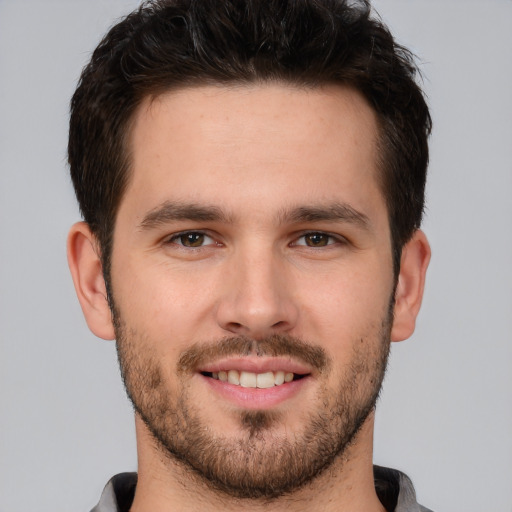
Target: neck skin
[165, 485]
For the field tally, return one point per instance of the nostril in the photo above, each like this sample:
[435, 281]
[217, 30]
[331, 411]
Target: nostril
[234, 325]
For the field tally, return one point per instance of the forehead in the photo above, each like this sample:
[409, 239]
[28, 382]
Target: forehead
[253, 142]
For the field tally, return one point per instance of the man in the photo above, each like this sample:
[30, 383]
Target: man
[251, 175]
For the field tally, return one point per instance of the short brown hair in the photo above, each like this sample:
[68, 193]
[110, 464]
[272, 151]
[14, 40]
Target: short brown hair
[177, 43]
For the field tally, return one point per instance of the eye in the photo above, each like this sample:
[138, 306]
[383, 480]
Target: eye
[192, 239]
[316, 239]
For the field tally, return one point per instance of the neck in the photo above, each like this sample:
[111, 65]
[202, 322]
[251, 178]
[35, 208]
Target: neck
[165, 484]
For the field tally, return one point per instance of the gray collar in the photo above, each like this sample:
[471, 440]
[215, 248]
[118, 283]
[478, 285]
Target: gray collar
[394, 489]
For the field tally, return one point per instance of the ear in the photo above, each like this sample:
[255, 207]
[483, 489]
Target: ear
[85, 265]
[411, 282]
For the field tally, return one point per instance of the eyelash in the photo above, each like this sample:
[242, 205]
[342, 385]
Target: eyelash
[331, 239]
[178, 238]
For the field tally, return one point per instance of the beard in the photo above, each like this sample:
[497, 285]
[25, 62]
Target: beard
[262, 461]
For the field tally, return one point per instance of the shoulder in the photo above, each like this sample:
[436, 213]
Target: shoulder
[117, 496]
[396, 491]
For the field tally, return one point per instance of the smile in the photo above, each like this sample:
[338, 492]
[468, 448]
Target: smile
[256, 383]
[247, 379]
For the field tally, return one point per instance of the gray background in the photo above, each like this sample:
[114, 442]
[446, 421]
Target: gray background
[445, 415]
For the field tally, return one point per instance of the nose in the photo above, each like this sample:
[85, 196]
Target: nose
[257, 296]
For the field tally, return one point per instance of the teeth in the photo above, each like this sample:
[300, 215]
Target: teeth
[247, 380]
[265, 380]
[253, 380]
[233, 377]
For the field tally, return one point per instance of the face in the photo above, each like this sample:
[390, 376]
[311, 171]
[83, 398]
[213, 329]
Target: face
[252, 280]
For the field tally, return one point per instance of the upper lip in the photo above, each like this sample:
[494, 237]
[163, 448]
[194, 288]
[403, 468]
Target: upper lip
[256, 364]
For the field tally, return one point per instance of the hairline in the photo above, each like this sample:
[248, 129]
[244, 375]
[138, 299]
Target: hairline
[152, 94]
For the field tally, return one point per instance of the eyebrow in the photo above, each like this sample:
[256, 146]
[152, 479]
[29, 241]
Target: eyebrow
[176, 211]
[333, 212]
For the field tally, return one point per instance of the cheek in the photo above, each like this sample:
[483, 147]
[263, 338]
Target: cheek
[167, 307]
[347, 301]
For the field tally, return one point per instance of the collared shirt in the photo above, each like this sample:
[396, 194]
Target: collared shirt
[394, 489]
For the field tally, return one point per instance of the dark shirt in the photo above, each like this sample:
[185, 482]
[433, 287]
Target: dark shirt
[394, 489]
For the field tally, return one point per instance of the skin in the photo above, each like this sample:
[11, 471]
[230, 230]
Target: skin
[257, 154]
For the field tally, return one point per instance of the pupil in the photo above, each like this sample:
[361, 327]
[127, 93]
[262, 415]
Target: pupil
[317, 240]
[193, 239]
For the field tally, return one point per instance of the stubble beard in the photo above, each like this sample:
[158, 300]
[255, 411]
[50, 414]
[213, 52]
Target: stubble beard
[263, 462]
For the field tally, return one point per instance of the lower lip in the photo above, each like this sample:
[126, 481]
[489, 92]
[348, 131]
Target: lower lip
[256, 398]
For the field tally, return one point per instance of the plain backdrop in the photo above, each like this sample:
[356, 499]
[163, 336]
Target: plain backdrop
[445, 415]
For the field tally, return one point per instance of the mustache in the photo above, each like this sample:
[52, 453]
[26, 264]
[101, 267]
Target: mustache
[275, 345]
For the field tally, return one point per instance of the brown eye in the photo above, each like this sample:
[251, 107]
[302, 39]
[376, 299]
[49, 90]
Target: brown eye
[191, 239]
[317, 239]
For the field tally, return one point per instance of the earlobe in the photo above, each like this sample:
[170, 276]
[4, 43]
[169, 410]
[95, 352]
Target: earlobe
[86, 269]
[411, 283]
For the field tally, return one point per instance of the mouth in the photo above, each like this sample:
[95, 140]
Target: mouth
[247, 379]
[256, 383]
